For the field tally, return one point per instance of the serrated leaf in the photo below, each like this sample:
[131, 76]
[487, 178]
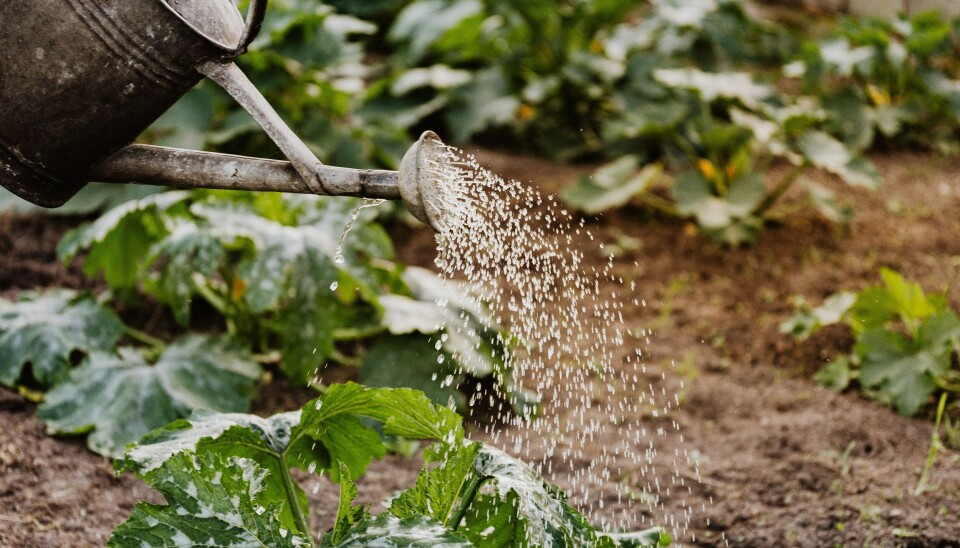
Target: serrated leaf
[439, 488]
[875, 307]
[120, 397]
[389, 531]
[492, 520]
[211, 501]
[348, 515]
[905, 370]
[326, 426]
[43, 330]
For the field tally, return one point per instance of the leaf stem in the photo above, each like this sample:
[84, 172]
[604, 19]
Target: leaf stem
[145, 338]
[298, 517]
[779, 190]
[934, 447]
[466, 499]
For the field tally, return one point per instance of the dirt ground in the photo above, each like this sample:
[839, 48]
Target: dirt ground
[783, 461]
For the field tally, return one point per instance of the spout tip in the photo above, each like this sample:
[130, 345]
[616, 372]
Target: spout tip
[419, 179]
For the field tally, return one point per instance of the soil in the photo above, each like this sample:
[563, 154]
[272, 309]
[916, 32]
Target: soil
[782, 461]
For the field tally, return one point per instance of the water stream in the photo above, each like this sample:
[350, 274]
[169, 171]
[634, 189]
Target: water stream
[526, 257]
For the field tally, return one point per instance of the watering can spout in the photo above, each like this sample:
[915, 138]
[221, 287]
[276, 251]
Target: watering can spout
[109, 68]
[415, 184]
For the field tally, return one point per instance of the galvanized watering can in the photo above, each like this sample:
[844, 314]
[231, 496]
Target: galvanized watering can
[80, 79]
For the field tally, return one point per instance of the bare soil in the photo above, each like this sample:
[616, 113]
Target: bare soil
[783, 461]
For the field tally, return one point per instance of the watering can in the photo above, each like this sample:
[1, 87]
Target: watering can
[80, 79]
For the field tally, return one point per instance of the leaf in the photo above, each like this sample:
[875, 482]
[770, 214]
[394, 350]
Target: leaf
[422, 23]
[389, 531]
[326, 427]
[411, 361]
[829, 154]
[728, 219]
[45, 329]
[611, 186]
[807, 320]
[120, 239]
[875, 307]
[492, 520]
[712, 86]
[549, 520]
[906, 371]
[439, 489]
[348, 515]
[119, 398]
[826, 202]
[836, 375]
[211, 501]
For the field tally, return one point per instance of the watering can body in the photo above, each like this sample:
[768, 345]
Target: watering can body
[80, 79]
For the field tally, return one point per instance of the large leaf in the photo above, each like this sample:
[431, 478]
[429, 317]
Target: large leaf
[612, 186]
[43, 330]
[389, 531]
[875, 307]
[439, 489]
[738, 86]
[905, 371]
[120, 397]
[328, 426]
[829, 154]
[729, 219]
[412, 361]
[119, 241]
[211, 501]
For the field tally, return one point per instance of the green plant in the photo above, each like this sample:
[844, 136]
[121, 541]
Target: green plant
[886, 80]
[906, 342]
[273, 268]
[733, 128]
[226, 479]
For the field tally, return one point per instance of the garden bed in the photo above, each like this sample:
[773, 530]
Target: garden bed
[784, 461]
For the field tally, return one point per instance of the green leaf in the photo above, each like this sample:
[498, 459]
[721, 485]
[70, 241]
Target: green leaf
[836, 375]
[119, 241]
[829, 154]
[548, 519]
[119, 398]
[390, 531]
[712, 86]
[492, 520]
[807, 320]
[45, 329]
[610, 188]
[411, 361]
[877, 306]
[905, 371]
[729, 219]
[211, 501]
[439, 489]
[348, 515]
[826, 202]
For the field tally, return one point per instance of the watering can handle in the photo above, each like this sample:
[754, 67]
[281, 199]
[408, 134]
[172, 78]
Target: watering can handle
[255, 14]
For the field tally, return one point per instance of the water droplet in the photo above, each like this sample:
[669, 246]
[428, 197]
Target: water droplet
[334, 286]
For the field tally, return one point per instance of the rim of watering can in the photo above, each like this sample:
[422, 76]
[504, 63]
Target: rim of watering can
[244, 31]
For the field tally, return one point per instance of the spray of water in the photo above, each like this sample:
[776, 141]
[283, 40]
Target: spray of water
[521, 254]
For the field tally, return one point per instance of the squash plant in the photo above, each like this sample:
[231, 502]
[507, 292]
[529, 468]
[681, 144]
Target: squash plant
[226, 480]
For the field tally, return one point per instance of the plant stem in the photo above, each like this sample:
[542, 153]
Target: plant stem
[779, 190]
[298, 517]
[934, 447]
[659, 204]
[466, 498]
[145, 338]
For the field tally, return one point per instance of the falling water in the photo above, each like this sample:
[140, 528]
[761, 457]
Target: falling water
[520, 253]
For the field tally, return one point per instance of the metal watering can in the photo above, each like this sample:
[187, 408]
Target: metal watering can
[80, 79]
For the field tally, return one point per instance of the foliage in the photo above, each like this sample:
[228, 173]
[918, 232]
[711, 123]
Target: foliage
[226, 479]
[906, 342]
[730, 131]
[886, 80]
[47, 330]
[119, 396]
[274, 269]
